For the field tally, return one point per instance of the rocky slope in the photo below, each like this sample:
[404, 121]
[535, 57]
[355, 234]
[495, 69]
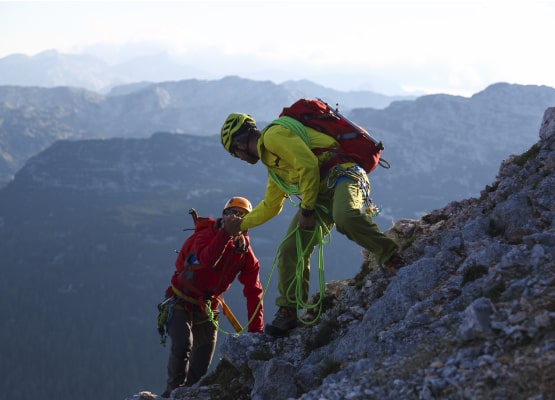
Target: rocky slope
[472, 315]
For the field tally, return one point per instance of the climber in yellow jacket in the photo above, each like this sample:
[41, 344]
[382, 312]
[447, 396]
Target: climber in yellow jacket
[334, 191]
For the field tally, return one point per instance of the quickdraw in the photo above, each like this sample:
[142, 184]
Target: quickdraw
[165, 312]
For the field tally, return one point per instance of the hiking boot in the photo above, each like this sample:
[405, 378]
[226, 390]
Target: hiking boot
[395, 263]
[284, 320]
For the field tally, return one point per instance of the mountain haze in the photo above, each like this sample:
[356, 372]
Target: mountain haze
[51, 68]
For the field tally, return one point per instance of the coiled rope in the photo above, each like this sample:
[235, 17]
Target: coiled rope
[323, 236]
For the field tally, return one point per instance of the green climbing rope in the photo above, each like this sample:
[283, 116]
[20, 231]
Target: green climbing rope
[320, 232]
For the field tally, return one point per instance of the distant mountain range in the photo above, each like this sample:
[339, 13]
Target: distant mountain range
[32, 118]
[51, 68]
[436, 143]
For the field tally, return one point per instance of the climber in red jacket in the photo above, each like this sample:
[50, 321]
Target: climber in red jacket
[208, 263]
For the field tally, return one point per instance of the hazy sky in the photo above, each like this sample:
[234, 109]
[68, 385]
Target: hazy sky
[447, 46]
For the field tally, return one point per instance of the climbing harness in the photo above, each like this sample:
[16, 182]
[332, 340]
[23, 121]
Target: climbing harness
[354, 173]
[205, 305]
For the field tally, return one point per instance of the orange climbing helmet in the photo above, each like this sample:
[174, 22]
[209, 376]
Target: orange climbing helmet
[239, 202]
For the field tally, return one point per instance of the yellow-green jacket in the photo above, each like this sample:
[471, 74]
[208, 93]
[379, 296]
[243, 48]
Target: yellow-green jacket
[286, 154]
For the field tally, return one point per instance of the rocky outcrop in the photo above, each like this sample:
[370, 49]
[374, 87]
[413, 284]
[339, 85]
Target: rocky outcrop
[472, 315]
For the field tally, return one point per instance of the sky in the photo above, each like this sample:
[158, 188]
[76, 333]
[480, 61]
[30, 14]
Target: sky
[389, 46]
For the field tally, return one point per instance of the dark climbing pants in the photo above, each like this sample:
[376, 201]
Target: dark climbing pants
[193, 341]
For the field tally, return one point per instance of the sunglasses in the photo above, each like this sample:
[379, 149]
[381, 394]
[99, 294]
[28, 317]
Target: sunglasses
[233, 211]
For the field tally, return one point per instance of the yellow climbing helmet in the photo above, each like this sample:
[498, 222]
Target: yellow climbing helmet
[239, 202]
[233, 124]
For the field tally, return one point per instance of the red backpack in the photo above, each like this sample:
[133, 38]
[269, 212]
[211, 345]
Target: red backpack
[186, 262]
[201, 223]
[355, 142]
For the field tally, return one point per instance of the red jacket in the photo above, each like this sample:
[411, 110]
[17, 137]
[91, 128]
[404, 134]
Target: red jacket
[218, 262]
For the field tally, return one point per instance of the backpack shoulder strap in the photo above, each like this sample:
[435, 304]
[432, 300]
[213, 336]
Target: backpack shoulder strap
[294, 126]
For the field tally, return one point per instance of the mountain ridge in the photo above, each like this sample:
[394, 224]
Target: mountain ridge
[32, 118]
